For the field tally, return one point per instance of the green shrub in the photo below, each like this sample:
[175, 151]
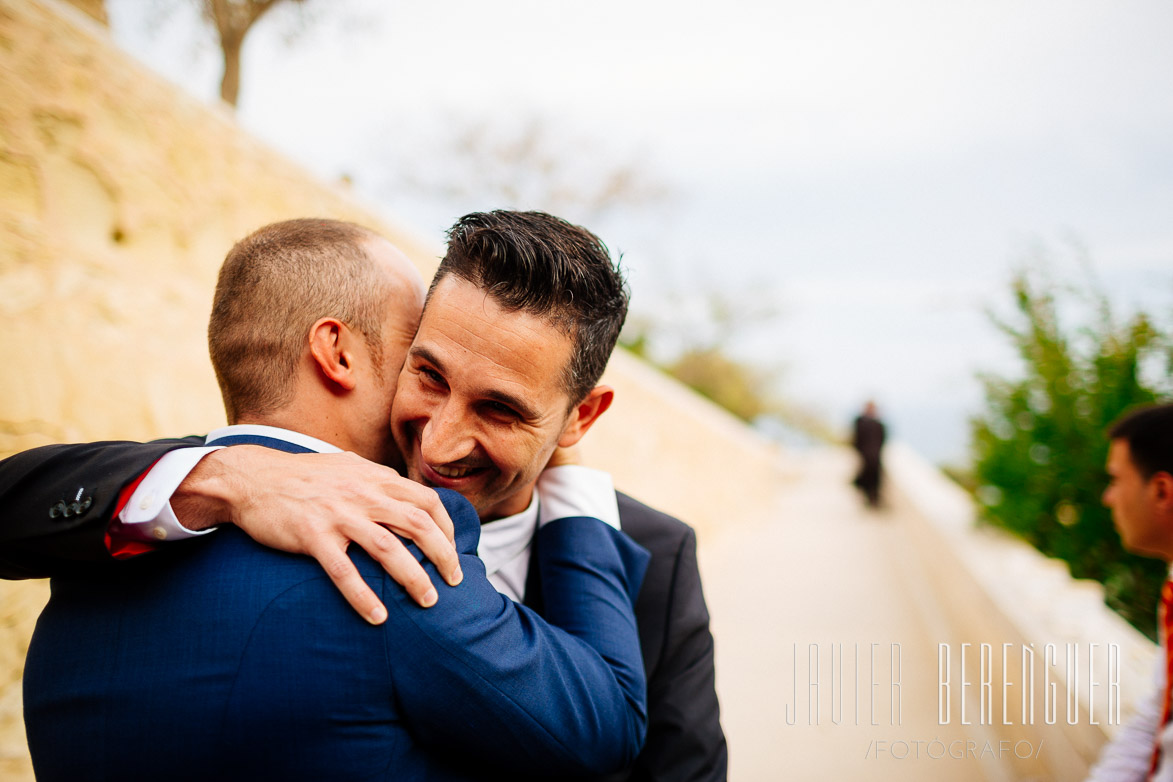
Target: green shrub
[1039, 446]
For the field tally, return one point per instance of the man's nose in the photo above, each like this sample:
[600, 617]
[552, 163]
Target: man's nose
[445, 437]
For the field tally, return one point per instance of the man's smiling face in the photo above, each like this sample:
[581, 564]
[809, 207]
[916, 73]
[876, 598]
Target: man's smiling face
[480, 405]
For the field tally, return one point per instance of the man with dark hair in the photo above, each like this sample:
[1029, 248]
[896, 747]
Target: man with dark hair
[519, 323]
[1140, 494]
[239, 662]
[520, 320]
[537, 263]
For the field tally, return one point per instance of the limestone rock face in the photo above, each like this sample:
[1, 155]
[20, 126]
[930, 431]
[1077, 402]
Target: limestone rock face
[95, 9]
[119, 196]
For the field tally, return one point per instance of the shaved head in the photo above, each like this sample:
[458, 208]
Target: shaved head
[280, 280]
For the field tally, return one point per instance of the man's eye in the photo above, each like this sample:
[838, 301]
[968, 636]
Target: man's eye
[431, 375]
[500, 410]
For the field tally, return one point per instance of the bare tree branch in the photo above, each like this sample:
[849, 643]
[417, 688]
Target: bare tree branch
[527, 166]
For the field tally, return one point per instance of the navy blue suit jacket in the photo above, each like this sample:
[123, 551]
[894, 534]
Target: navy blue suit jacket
[227, 660]
[684, 738]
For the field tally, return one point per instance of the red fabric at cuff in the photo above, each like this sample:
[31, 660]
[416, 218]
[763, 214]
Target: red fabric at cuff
[122, 548]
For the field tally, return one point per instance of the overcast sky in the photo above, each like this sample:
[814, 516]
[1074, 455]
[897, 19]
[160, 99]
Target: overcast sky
[877, 169]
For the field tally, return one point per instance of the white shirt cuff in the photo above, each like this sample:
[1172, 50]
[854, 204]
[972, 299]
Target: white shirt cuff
[148, 514]
[572, 490]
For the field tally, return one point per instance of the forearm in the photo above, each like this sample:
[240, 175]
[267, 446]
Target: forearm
[216, 490]
[568, 709]
[60, 505]
[58, 501]
[591, 575]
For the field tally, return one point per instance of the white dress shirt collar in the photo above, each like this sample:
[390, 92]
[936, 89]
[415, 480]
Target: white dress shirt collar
[504, 548]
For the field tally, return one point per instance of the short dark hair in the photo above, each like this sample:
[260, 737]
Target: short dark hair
[274, 285]
[1149, 433]
[540, 264]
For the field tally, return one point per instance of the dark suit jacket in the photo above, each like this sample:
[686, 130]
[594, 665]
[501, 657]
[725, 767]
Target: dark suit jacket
[868, 437]
[227, 660]
[684, 741]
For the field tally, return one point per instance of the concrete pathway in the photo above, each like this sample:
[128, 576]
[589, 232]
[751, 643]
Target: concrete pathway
[826, 598]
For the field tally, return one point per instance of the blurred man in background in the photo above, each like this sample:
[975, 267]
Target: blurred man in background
[868, 440]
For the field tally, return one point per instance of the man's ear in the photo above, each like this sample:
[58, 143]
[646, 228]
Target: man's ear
[330, 349]
[585, 413]
[1162, 488]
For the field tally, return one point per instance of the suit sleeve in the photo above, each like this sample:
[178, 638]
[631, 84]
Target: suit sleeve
[503, 684]
[685, 739]
[58, 500]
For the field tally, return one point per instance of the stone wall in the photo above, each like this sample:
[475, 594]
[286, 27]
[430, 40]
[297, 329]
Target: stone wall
[1000, 590]
[95, 9]
[119, 196]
